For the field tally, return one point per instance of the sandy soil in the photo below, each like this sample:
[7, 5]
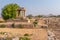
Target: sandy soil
[37, 34]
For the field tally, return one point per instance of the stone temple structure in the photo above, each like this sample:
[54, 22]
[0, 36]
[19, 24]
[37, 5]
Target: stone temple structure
[20, 12]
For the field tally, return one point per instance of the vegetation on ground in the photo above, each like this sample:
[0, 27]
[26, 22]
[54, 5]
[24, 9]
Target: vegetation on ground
[20, 26]
[26, 34]
[35, 23]
[13, 25]
[2, 26]
[24, 38]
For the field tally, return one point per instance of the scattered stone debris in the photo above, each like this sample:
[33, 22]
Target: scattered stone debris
[51, 35]
[57, 34]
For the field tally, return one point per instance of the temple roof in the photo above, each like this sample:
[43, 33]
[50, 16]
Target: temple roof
[21, 9]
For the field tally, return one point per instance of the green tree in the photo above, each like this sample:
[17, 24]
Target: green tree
[9, 11]
[30, 16]
[35, 23]
[39, 16]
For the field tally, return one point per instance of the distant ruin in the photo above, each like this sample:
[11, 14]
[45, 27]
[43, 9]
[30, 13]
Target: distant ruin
[20, 12]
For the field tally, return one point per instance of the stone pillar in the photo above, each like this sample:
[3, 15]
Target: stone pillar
[23, 13]
[20, 12]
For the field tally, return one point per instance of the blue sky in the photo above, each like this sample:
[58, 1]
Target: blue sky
[36, 7]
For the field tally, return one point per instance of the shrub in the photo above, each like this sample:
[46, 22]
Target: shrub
[24, 38]
[2, 26]
[13, 25]
[26, 34]
[1, 32]
[20, 26]
[7, 38]
[35, 23]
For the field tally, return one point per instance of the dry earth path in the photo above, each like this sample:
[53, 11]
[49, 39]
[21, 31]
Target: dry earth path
[37, 34]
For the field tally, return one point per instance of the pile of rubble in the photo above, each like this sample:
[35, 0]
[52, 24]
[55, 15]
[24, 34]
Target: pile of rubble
[51, 35]
[57, 33]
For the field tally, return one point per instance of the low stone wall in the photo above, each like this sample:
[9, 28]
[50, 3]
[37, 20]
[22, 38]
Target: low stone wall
[25, 25]
[37, 34]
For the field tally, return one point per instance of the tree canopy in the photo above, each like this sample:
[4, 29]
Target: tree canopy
[35, 23]
[39, 16]
[30, 16]
[9, 11]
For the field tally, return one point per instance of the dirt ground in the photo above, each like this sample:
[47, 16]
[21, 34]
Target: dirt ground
[37, 34]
